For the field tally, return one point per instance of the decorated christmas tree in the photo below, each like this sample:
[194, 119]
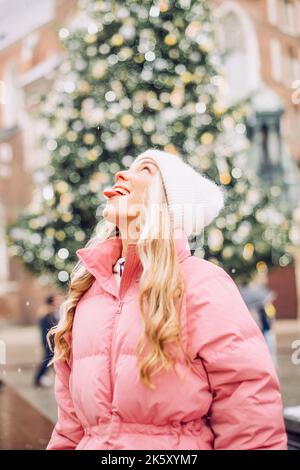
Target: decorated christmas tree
[138, 75]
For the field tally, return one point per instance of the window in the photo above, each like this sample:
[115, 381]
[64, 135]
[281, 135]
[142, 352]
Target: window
[19, 17]
[288, 16]
[6, 156]
[3, 252]
[276, 60]
[292, 67]
[239, 49]
[297, 16]
[2, 92]
[13, 99]
[272, 11]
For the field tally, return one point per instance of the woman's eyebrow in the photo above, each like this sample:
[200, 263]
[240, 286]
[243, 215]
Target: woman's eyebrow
[147, 161]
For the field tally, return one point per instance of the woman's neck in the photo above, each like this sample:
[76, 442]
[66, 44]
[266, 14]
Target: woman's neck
[125, 243]
[129, 235]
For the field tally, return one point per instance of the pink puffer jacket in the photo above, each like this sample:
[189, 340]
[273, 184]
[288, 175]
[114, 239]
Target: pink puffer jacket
[229, 400]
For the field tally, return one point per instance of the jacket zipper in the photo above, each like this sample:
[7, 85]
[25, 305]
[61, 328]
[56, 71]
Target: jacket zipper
[120, 305]
[119, 309]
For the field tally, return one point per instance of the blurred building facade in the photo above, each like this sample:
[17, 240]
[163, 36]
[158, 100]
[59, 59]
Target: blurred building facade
[260, 42]
[29, 53]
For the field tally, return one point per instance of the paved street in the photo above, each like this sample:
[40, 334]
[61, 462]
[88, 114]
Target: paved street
[289, 374]
[29, 429]
[23, 351]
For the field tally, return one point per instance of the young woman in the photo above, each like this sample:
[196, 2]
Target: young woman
[156, 348]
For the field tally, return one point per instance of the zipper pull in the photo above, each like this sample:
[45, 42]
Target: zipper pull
[120, 303]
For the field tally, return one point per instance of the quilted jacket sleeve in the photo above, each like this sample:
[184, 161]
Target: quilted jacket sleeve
[68, 431]
[246, 410]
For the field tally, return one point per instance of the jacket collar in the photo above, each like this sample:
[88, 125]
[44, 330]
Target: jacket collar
[99, 260]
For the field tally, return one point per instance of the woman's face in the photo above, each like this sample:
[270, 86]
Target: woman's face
[125, 199]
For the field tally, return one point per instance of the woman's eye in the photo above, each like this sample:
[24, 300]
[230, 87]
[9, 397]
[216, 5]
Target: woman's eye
[147, 168]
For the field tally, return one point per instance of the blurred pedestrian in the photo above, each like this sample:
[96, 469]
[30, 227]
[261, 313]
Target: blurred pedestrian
[259, 300]
[48, 318]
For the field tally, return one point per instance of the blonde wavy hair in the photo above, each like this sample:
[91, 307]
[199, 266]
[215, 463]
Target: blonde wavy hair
[161, 289]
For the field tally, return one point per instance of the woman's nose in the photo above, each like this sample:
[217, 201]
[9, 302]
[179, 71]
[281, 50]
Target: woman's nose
[121, 175]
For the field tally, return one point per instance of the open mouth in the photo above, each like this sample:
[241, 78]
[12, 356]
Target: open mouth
[116, 191]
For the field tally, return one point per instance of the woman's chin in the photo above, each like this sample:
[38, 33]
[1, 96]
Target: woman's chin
[111, 214]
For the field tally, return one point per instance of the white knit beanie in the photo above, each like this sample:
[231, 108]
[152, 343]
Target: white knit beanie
[193, 199]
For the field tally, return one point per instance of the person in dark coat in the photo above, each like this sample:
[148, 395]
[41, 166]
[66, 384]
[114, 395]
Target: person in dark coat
[48, 319]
